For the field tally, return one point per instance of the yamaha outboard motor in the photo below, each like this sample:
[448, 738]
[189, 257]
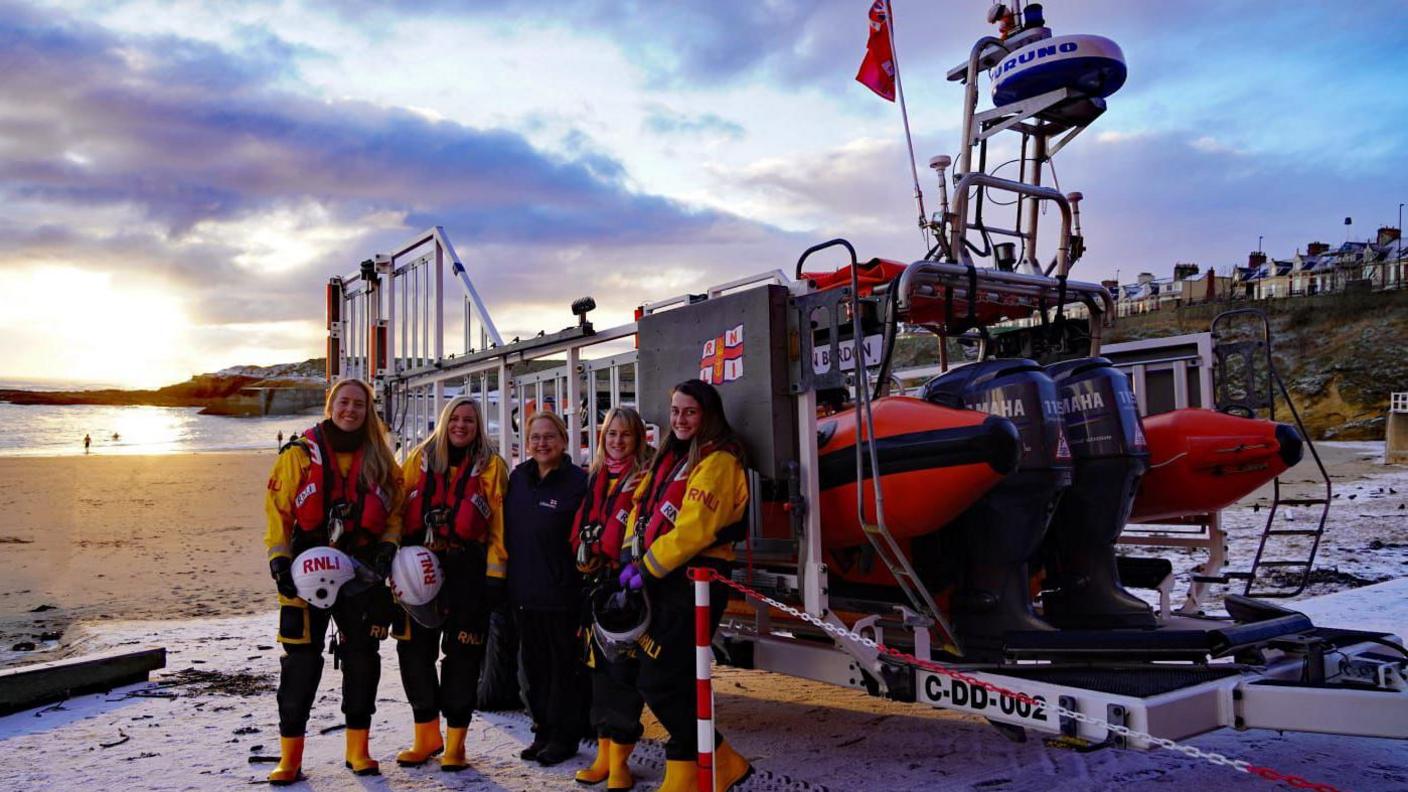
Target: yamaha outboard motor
[995, 537]
[1107, 442]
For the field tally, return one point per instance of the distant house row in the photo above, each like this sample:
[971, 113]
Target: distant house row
[1353, 266]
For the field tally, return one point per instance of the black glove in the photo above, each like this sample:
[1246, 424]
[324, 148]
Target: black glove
[495, 593]
[381, 560]
[281, 568]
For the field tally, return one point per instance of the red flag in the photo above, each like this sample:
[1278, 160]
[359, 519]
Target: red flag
[877, 71]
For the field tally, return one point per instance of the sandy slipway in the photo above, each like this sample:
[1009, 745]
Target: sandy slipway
[198, 722]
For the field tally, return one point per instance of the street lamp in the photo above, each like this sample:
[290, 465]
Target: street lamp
[1258, 242]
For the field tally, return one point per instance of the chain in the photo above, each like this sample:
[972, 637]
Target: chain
[1193, 752]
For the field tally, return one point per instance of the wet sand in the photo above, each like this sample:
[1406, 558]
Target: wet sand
[131, 537]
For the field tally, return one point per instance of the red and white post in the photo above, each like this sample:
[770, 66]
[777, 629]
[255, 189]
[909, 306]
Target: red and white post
[703, 683]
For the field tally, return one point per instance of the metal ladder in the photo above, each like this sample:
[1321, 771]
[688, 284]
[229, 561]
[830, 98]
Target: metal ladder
[886, 548]
[1246, 384]
[923, 611]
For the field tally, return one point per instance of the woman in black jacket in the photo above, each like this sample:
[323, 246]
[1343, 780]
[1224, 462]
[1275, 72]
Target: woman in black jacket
[545, 588]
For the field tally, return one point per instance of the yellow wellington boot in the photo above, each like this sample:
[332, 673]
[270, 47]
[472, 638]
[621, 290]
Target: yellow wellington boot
[600, 767]
[358, 758]
[681, 775]
[620, 778]
[426, 744]
[453, 761]
[730, 769]
[290, 762]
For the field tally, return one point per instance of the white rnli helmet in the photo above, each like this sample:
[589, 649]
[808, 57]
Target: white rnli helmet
[319, 573]
[416, 579]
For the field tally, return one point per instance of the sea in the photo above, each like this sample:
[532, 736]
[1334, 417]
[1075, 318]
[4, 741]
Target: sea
[48, 430]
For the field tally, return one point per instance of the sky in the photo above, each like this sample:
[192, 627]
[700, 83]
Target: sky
[178, 180]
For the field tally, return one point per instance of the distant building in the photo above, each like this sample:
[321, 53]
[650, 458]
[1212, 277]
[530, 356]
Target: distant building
[1376, 265]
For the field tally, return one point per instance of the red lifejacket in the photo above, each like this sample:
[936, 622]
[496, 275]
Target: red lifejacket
[435, 491]
[668, 481]
[324, 489]
[607, 504]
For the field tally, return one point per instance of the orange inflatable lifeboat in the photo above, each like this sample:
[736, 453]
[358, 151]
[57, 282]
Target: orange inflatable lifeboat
[1202, 460]
[934, 463]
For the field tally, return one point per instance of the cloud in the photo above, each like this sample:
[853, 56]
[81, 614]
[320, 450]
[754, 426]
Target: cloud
[189, 134]
[664, 121]
[1151, 198]
[175, 163]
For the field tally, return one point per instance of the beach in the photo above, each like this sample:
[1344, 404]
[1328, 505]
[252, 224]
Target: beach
[139, 551]
[157, 537]
[178, 536]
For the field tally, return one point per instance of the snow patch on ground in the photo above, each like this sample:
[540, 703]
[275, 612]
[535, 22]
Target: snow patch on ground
[1366, 530]
[179, 732]
[800, 734]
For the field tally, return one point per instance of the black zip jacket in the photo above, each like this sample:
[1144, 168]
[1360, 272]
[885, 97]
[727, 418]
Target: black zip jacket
[538, 515]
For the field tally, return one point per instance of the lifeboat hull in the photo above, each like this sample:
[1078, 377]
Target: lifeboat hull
[1202, 460]
[934, 462]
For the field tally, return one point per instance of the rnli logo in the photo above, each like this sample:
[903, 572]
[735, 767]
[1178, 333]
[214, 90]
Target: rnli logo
[721, 359]
[320, 564]
[429, 574]
[304, 495]
[482, 504]
[649, 645]
[709, 499]
[669, 511]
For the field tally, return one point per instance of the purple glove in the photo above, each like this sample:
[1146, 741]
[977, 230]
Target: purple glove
[630, 577]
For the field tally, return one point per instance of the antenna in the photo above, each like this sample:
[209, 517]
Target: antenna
[940, 163]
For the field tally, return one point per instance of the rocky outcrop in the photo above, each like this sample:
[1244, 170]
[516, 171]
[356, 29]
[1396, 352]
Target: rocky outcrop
[244, 390]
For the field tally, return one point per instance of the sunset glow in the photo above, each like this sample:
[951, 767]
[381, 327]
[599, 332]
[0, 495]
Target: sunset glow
[65, 323]
[177, 207]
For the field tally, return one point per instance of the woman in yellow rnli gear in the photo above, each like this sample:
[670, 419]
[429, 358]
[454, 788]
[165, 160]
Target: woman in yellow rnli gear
[622, 459]
[454, 506]
[335, 485]
[685, 511]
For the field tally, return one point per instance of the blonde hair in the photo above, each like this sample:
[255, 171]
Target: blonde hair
[435, 449]
[552, 418]
[378, 463]
[644, 453]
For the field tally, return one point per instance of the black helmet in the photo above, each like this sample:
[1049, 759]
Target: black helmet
[619, 618]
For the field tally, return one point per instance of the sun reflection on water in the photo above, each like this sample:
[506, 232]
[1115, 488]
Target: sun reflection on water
[151, 429]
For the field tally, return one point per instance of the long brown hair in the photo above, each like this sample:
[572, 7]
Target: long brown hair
[644, 453]
[378, 462]
[435, 449]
